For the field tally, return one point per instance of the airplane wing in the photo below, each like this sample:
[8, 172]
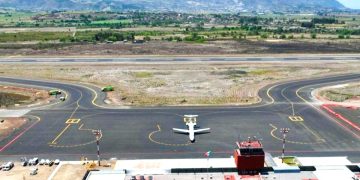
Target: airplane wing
[201, 130]
[181, 130]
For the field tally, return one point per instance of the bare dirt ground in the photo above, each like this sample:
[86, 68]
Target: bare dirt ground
[70, 171]
[182, 48]
[77, 171]
[181, 83]
[9, 125]
[34, 96]
[23, 173]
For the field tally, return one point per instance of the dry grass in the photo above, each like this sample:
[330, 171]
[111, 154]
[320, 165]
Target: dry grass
[22, 96]
[340, 93]
[10, 125]
[181, 83]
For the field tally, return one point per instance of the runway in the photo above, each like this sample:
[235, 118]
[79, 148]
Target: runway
[64, 129]
[260, 58]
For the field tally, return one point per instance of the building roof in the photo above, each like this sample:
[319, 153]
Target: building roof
[108, 175]
[249, 144]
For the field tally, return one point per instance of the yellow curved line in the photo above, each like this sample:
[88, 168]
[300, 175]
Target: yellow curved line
[161, 143]
[293, 142]
[95, 95]
[298, 95]
[77, 145]
[268, 93]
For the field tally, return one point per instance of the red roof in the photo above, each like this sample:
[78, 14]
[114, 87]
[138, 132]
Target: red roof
[249, 144]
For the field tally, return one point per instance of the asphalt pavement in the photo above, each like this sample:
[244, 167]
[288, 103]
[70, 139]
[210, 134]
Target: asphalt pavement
[65, 129]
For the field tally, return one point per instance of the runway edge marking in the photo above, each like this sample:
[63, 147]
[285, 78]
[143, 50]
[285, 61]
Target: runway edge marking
[19, 135]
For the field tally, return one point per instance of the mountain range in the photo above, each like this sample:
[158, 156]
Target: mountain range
[175, 5]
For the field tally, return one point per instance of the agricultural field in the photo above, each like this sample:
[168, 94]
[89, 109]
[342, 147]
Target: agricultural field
[30, 31]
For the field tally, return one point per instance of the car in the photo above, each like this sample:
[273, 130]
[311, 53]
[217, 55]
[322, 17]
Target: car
[42, 162]
[24, 163]
[34, 171]
[51, 163]
[34, 161]
[54, 92]
[47, 162]
[57, 162]
[8, 166]
[62, 98]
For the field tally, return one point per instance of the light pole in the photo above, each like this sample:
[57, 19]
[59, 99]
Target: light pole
[97, 134]
[284, 131]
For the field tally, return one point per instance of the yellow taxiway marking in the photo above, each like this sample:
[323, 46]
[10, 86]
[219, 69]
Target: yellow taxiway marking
[69, 121]
[272, 133]
[72, 121]
[318, 138]
[296, 118]
[59, 135]
[77, 145]
[161, 143]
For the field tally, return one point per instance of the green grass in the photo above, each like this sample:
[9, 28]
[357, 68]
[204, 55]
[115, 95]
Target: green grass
[15, 17]
[33, 36]
[113, 21]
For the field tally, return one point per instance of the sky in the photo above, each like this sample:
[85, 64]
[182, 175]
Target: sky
[354, 4]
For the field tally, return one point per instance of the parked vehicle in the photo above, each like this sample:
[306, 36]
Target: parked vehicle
[33, 171]
[33, 161]
[8, 166]
[57, 162]
[42, 162]
[54, 92]
[24, 163]
[51, 163]
[107, 89]
[47, 162]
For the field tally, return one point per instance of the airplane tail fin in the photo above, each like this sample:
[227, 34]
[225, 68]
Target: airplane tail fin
[181, 130]
[201, 130]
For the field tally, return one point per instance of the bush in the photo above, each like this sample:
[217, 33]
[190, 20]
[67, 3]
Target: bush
[313, 36]
[264, 36]
[147, 38]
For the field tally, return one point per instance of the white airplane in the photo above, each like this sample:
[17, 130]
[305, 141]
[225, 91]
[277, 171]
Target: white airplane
[190, 121]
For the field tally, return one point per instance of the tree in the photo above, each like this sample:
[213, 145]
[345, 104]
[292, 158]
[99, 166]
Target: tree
[313, 35]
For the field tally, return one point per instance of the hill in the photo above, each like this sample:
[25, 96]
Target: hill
[175, 5]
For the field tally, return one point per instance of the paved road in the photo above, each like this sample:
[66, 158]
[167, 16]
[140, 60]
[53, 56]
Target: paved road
[146, 132]
[185, 59]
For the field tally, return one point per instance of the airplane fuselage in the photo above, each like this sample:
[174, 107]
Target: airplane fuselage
[191, 127]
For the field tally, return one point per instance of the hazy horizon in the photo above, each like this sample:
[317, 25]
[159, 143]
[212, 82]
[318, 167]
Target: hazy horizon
[354, 4]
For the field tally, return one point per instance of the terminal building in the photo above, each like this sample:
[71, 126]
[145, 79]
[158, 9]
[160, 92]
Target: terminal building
[249, 162]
